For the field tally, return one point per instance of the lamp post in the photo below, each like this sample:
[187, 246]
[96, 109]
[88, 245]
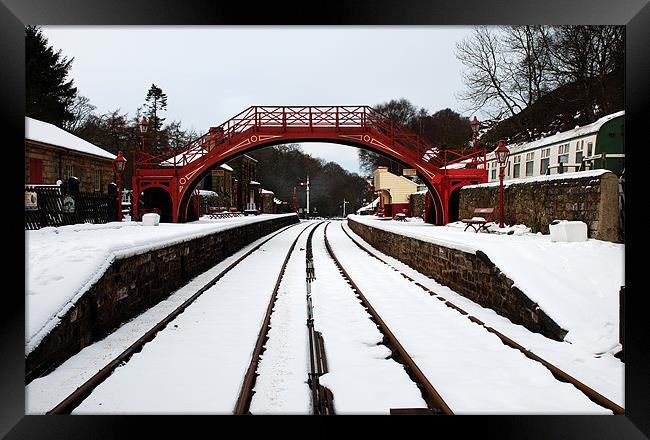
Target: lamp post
[502, 153]
[118, 166]
[143, 124]
[345, 202]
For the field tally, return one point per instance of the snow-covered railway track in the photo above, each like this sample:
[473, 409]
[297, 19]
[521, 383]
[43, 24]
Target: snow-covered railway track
[322, 397]
[244, 399]
[341, 364]
[474, 372]
[74, 399]
[434, 400]
[558, 373]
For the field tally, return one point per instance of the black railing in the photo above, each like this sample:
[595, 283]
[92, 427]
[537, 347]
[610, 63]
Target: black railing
[54, 206]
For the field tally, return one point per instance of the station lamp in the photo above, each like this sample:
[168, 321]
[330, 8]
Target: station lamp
[502, 153]
[119, 163]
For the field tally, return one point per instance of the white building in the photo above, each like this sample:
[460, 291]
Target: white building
[575, 149]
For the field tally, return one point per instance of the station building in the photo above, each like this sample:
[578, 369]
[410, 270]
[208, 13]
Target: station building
[393, 191]
[52, 154]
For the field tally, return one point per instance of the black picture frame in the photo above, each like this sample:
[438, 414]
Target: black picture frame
[15, 14]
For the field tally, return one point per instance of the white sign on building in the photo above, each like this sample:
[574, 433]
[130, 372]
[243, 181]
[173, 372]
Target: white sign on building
[31, 200]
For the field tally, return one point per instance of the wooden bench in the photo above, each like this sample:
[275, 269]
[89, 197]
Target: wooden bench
[479, 223]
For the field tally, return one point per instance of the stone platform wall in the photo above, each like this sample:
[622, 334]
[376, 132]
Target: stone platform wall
[474, 276]
[134, 284]
[591, 199]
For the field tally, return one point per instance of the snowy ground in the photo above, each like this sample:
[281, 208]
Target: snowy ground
[44, 393]
[62, 263]
[196, 365]
[474, 372]
[604, 373]
[577, 284]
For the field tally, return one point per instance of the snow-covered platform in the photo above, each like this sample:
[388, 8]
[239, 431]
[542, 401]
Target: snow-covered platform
[65, 263]
[576, 284]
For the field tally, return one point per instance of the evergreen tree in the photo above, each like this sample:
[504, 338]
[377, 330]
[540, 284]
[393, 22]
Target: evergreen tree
[155, 102]
[49, 97]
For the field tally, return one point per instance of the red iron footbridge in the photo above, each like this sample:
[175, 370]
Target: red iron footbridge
[178, 171]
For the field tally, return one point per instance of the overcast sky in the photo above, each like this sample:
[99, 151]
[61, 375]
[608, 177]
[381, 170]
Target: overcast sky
[211, 73]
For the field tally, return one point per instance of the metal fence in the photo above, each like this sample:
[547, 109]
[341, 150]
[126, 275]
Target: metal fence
[52, 205]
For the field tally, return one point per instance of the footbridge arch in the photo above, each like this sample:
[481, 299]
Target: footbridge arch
[179, 171]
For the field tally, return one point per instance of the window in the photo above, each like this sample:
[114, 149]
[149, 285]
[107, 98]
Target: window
[516, 166]
[68, 172]
[530, 157]
[97, 180]
[590, 149]
[579, 151]
[494, 173]
[546, 158]
[563, 154]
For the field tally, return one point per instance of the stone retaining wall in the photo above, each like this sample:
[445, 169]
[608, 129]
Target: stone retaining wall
[591, 199]
[474, 276]
[134, 284]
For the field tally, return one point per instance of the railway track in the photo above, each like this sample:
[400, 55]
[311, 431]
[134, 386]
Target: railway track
[436, 404]
[322, 397]
[558, 373]
[243, 402]
[73, 400]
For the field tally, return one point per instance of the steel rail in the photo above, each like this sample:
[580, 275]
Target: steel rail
[559, 374]
[431, 396]
[67, 405]
[322, 398]
[246, 392]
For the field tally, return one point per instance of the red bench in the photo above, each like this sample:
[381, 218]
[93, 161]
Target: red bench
[479, 223]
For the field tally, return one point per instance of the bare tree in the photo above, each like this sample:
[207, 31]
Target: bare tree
[529, 69]
[489, 77]
[81, 109]
[587, 55]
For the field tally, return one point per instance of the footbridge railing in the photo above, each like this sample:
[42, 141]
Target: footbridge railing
[294, 120]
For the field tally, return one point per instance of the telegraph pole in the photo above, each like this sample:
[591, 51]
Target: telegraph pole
[308, 196]
[344, 203]
[306, 184]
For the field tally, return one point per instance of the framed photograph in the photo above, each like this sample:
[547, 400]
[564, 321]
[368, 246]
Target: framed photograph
[246, 77]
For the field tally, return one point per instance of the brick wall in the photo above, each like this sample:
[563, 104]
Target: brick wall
[593, 200]
[55, 161]
[474, 276]
[132, 285]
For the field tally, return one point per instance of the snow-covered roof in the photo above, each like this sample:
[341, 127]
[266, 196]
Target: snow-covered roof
[559, 137]
[544, 178]
[253, 182]
[40, 131]
[369, 207]
[266, 191]
[277, 201]
[204, 192]
[226, 167]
